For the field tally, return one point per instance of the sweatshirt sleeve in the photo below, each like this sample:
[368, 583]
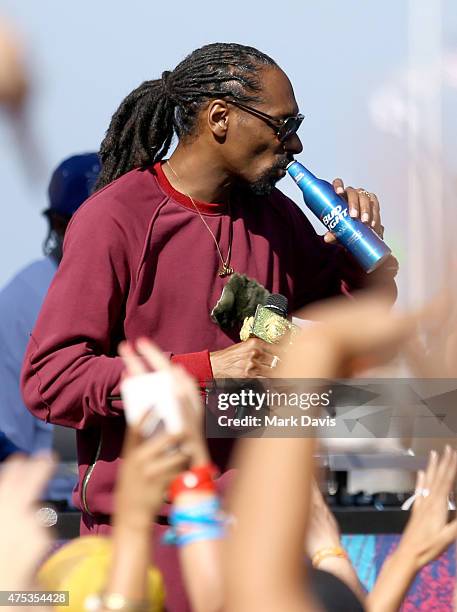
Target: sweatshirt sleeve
[354, 278]
[197, 364]
[70, 368]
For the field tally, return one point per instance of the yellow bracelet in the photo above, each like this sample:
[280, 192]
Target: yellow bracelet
[323, 553]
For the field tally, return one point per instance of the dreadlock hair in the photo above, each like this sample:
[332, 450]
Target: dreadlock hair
[141, 130]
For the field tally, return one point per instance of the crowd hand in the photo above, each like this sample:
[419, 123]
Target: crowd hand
[348, 337]
[323, 533]
[13, 78]
[148, 467]
[24, 540]
[362, 205]
[254, 358]
[145, 357]
[426, 536]
[428, 532]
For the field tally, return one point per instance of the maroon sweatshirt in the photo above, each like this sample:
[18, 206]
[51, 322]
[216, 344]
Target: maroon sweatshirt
[138, 261]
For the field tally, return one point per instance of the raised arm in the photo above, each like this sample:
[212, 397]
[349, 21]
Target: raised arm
[265, 569]
[426, 535]
[144, 477]
[198, 538]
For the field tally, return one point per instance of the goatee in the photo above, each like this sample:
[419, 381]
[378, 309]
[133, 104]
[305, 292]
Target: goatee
[265, 184]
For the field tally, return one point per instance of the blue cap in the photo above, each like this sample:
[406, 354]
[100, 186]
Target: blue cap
[72, 183]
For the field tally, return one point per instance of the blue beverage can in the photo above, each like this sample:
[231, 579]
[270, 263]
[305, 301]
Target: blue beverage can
[332, 210]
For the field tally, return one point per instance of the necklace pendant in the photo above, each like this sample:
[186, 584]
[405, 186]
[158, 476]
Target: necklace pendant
[225, 271]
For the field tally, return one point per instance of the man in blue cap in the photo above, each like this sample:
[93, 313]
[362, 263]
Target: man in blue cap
[21, 299]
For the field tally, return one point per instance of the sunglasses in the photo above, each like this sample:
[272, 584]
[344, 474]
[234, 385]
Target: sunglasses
[284, 128]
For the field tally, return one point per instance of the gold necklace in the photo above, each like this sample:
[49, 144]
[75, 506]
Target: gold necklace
[225, 269]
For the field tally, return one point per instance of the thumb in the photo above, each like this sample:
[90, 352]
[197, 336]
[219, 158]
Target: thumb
[134, 436]
[447, 536]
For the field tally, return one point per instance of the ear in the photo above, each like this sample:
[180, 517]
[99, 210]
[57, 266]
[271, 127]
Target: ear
[218, 118]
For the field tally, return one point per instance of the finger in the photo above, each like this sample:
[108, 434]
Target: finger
[376, 215]
[258, 344]
[365, 207]
[187, 386]
[265, 372]
[191, 406]
[134, 435]
[445, 473]
[420, 480]
[163, 444]
[262, 351]
[269, 351]
[265, 353]
[278, 349]
[256, 369]
[266, 361]
[353, 202]
[420, 485]
[152, 354]
[451, 474]
[329, 237]
[338, 186]
[447, 536]
[36, 473]
[132, 361]
[430, 472]
[168, 466]
[11, 472]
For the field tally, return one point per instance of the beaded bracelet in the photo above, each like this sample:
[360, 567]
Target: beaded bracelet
[202, 521]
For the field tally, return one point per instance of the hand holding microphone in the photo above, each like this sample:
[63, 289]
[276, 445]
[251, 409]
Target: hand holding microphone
[251, 359]
[259, 351]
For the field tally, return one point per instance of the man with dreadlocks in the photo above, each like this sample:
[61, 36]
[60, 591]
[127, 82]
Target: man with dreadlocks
[151, 251]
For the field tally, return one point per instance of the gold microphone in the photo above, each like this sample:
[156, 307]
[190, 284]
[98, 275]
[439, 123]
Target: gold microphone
[269, 322]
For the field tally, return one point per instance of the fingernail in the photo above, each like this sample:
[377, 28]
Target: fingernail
[365, 217]
[353, 212]
[339, 190]
[373, 224]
